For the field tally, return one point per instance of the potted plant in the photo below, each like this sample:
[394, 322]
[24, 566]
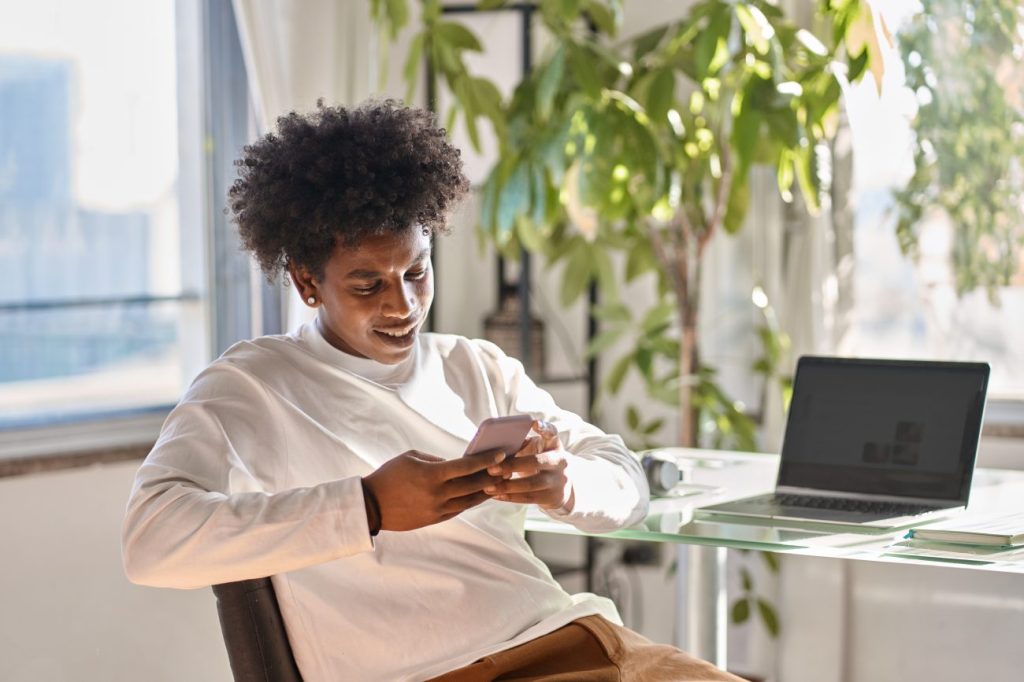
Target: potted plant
[625, 158]
[643, 148]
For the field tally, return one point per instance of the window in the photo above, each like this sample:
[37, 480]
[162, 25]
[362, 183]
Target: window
[102, 295]
[910, 306]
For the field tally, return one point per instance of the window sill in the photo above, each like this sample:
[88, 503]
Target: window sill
[1004, 419]
[64, 446]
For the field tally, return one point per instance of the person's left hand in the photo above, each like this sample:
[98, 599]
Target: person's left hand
[539, 468]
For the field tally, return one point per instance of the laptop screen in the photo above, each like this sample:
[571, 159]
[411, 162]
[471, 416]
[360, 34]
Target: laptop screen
[885, 427]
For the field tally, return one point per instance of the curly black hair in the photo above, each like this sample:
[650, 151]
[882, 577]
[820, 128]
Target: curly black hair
[340, 174]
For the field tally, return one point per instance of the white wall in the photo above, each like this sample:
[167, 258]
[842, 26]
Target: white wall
[870, 622]
[67, 613]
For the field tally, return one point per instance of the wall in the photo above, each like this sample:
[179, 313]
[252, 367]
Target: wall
[68, 614]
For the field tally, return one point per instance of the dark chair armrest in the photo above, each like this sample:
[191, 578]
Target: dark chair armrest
[254, 633]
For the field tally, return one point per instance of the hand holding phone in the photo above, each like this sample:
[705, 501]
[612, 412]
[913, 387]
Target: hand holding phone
[504, 434]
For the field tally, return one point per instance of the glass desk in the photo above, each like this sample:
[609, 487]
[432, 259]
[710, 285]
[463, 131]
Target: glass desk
[715, 476]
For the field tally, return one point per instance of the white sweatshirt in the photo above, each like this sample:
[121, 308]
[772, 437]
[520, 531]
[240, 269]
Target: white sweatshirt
[257, 472]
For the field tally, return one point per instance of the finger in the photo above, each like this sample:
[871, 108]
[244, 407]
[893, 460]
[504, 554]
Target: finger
[465, 485]
[543, 498]
[529, 466]
[457, 505]
[526, 484]
[531, 446]
[470, 464]
[422, 456]
[524, 466]
[546, 429]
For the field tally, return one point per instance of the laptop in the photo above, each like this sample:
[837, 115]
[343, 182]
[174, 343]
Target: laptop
[875, 443]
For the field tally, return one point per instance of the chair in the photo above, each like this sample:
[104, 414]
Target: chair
[254, 633]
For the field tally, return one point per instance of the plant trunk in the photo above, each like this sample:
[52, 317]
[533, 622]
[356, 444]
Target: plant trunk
[689, 357]
[688, 413]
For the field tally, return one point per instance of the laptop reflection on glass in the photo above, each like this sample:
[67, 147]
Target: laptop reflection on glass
[874, 443]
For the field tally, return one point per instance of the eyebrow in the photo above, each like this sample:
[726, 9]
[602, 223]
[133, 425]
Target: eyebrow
[370, 274]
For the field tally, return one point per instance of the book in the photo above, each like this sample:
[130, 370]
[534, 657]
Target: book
[1006, 530]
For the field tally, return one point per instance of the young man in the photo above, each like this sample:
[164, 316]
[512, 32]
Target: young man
[331, 458]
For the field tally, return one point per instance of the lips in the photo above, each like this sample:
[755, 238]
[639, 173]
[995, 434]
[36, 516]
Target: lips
[398, 336]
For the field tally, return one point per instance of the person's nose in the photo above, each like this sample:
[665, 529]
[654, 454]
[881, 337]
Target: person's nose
[402, 302]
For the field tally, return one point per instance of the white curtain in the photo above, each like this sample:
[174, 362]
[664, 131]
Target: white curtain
[298, 51]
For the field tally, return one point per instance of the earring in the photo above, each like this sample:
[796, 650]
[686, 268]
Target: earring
[311, 300]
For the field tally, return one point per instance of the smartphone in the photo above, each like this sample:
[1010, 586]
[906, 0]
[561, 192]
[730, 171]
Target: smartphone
[506, 434]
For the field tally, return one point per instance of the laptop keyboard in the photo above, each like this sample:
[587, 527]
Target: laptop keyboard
[846, 504]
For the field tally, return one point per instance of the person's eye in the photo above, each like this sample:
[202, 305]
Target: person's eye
[366, 290]
[416, 274]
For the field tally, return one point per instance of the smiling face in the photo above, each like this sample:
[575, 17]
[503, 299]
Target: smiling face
[374, 296]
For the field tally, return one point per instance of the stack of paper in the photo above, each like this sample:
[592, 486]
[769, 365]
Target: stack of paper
[973, 529]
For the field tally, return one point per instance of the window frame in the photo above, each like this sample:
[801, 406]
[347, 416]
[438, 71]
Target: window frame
[215, 120]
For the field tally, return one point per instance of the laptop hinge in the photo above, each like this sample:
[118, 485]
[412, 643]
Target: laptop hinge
[901, 499]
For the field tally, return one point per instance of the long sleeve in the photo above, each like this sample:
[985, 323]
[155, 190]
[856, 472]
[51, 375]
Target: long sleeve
[201, 510]
[610, 488]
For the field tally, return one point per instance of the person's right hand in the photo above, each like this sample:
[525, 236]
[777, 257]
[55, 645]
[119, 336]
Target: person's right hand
[415, 489]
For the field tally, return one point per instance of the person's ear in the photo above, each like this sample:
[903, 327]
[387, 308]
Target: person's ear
[305, 283]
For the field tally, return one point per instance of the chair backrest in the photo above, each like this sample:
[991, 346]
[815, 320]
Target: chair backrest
[254, 633]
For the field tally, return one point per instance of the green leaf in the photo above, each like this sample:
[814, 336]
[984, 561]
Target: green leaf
[603, 341]
[769, 617]
[663, 345]
[398, 15]
[613, 381]
[745, 131]
[652, 426]
[451, 117]
[740, 611]
[771, 561]
[550, 79]
[809, 178]
[457, 36]
[746, 580]
[586, 70]
[413, 64]
[513, 199]
[657, 316]
[602, 17]
[469, 109]
[721, 56]
[577, 272]
[756, 26]
[640, 259]
[486, 97]
[632, 418]
[612, 311]
[858, 65]
[665, 393]
[604, 272]
[785, 173]
[712, 50]
[489, 203]
[530, 237]
[644, 359]
[661, 94]
[648, 41]
[431, 11]
[445, 59]
[784, 125]
[738, 203]
[538, 201]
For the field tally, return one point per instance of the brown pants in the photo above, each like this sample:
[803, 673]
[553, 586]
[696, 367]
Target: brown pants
[590, 649]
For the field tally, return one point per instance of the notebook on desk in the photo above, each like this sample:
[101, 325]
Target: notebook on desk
[877, 443]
